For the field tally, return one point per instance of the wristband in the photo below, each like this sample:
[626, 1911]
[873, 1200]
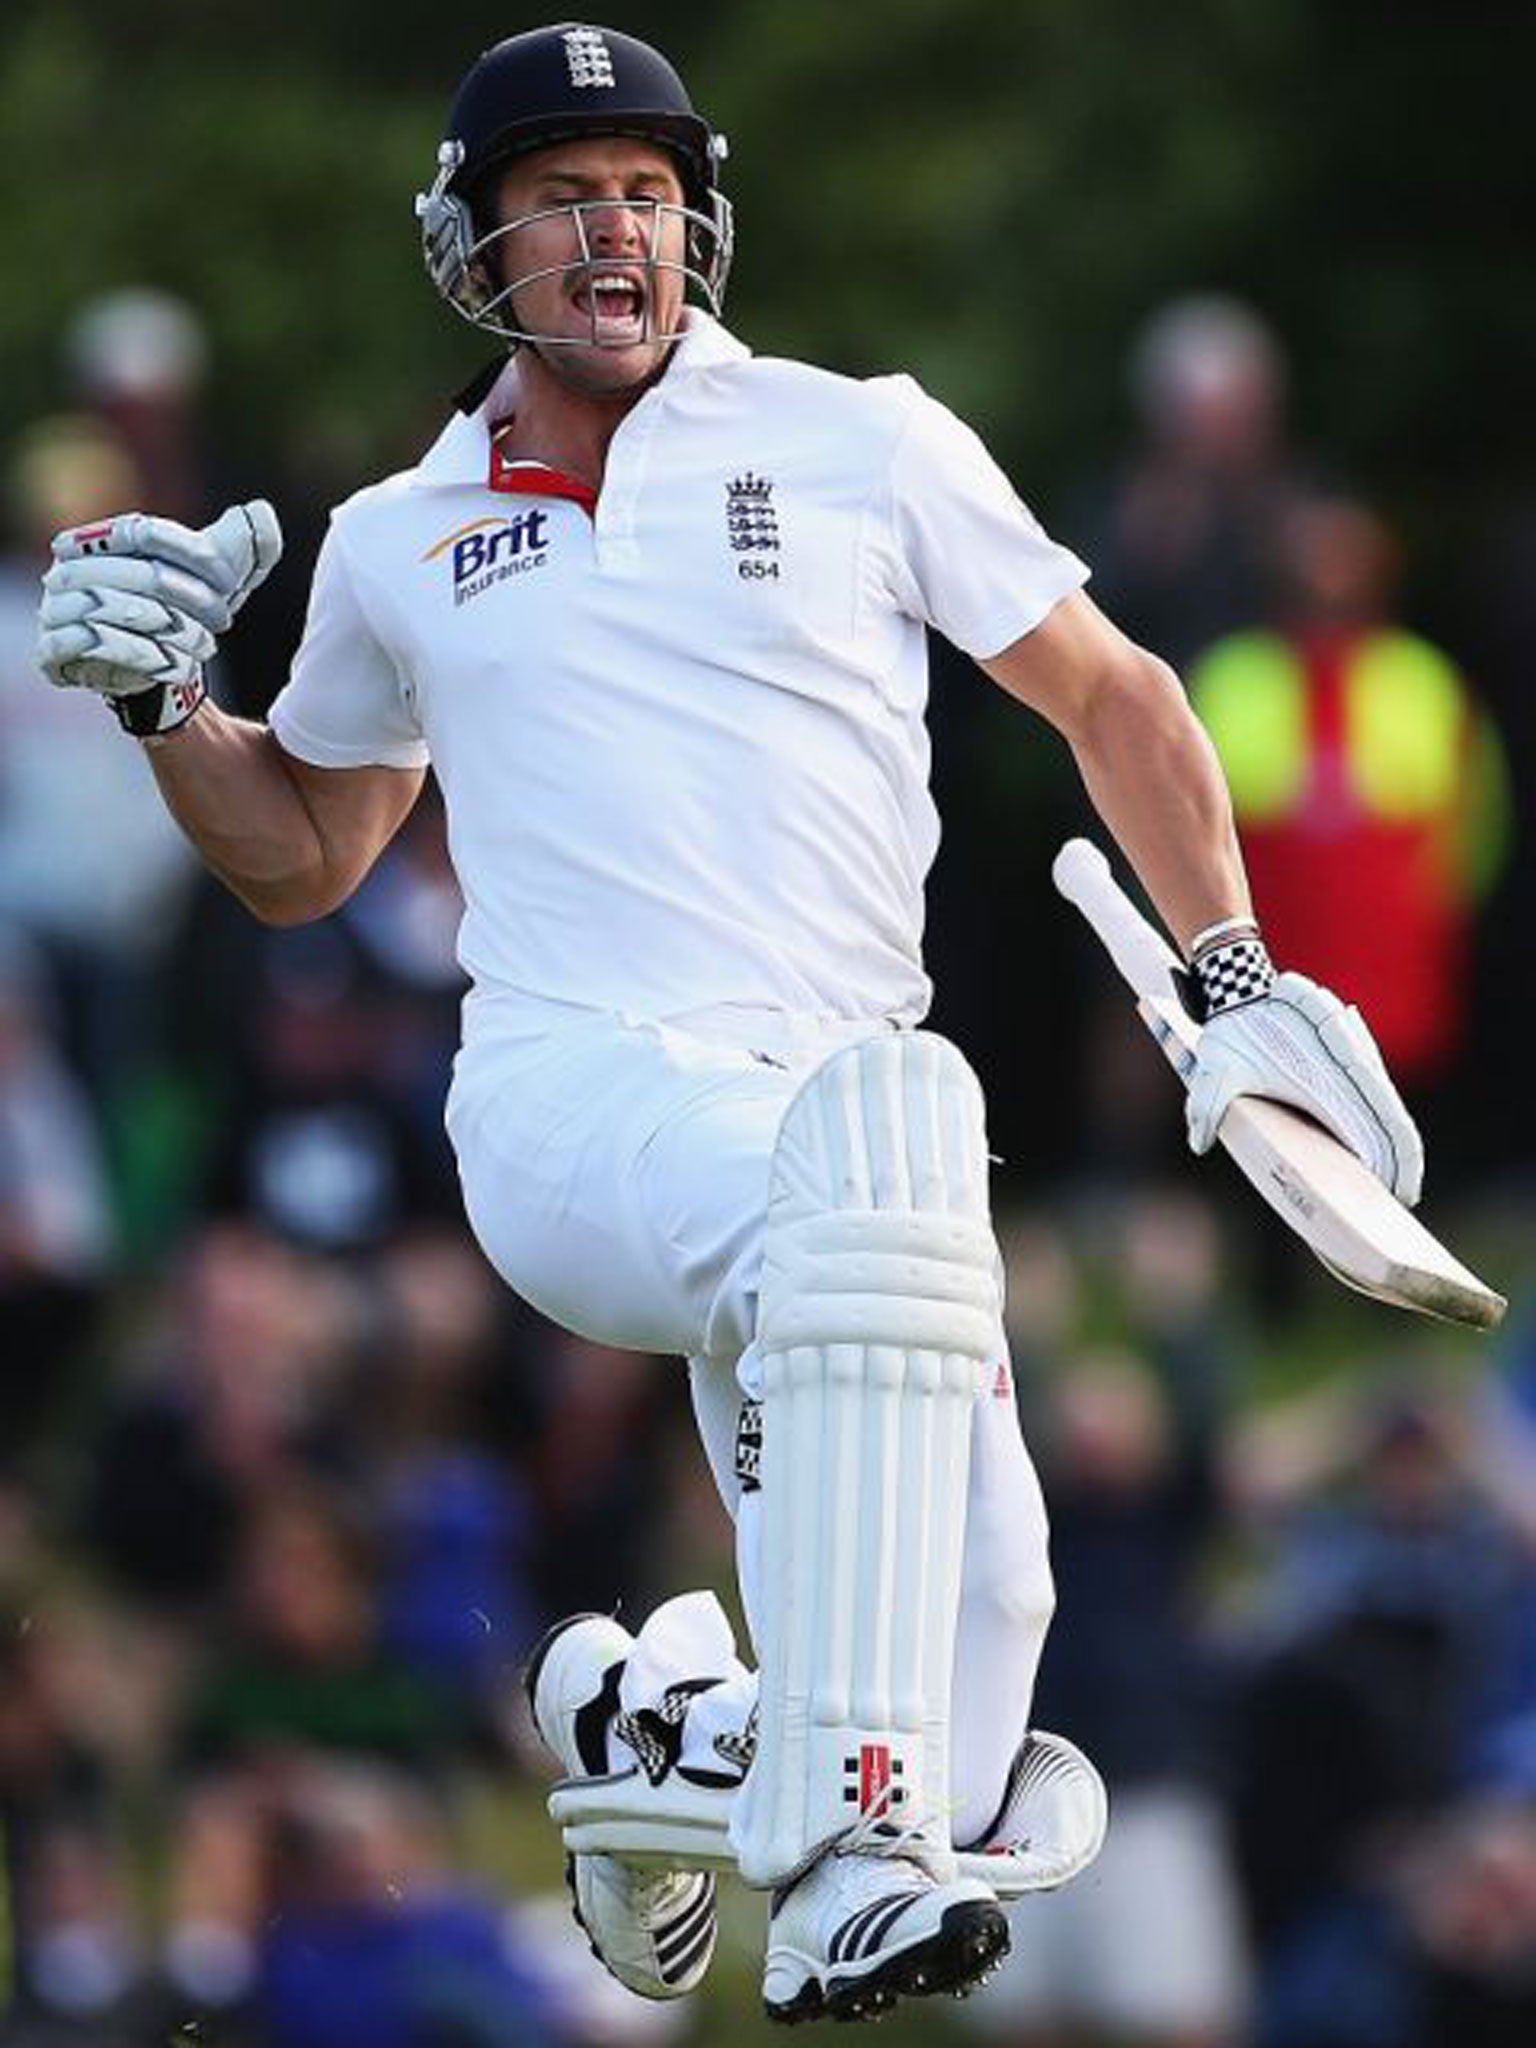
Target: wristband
[1225, 928]
[149, 714]
[1231, 974]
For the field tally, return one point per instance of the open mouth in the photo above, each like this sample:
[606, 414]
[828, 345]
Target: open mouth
[616, 302]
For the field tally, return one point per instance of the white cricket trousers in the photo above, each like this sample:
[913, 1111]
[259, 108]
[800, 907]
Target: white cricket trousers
[616, 1175]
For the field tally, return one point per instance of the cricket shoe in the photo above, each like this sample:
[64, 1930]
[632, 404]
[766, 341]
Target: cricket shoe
[861, 1930]
[653, 1929]
[1050, 1823]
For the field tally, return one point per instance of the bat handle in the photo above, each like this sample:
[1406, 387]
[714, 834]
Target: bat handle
[1138, 949]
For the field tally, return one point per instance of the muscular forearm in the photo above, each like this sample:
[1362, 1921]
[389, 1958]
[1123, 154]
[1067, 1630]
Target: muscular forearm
[1155, 781]
[225, 783]
[1152, 773]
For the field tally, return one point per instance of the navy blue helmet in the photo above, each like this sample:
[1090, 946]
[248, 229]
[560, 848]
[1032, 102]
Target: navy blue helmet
[551, 85]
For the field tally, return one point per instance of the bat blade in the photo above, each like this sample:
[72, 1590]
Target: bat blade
[1354, 1224]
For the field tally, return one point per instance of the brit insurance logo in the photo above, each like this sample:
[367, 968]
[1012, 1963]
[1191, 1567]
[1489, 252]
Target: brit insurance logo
[491, 550]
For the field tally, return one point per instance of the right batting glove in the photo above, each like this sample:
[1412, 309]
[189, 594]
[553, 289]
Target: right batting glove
[133, 606]
[1284, 1037]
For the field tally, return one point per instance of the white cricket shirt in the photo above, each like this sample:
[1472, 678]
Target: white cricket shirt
[679, 735]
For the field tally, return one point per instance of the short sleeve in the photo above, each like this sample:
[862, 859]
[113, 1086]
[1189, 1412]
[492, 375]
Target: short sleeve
[972, 558]
[343, 705]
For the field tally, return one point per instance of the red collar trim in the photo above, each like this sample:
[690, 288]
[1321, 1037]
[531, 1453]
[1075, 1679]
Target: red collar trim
[523, 478]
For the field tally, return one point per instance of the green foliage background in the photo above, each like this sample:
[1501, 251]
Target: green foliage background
[993, 192]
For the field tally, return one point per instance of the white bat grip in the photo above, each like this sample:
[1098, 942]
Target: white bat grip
[1138, 949]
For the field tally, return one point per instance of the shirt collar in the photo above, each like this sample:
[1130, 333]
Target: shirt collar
[460, 455]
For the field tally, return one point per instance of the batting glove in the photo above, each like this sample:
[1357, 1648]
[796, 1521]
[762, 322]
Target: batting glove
[1297, 1043]
[133, 606]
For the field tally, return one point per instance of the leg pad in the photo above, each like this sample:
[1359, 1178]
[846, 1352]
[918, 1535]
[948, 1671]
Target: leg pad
[879, 1318]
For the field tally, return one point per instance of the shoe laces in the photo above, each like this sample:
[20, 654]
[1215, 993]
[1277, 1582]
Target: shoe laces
[872, 1835]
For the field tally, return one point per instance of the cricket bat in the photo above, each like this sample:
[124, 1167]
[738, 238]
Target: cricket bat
[1331, 1199]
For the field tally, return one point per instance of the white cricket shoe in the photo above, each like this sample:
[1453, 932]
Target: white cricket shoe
[861, 1930]
[1051, 1822]
[652, 1929]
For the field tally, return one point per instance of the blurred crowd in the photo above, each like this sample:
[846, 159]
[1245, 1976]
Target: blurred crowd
[289, 1484]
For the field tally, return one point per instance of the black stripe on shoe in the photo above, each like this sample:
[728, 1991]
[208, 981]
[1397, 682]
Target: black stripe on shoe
[846, 1944]
[873, 1933]
[675, 1971]
[962, 1953]
[846, 1932]
[689, 1937]
[681, 1930]
[589, 1724]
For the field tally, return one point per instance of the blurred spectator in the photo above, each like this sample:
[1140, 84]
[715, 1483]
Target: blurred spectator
[56, 1239]
[456, 1523]
[369, 1938]
[48, 1776]
[81, 1701]
[1493, 609]
[327, 1912]
[1471, 1908]
[1370, 787]
[1382, 1621]
[601, 2012]
[608, 1418]
[324, 1140]
[1186, 548]
[300, 1663]
[1503, 1739]
[406, 914]
[404, 923]
[336, 1042]
[139, 359]
[1149, 1947]
[298, 1669]
[91, 865]
[82, 1958]
[1041, 1290]
[234, 1402]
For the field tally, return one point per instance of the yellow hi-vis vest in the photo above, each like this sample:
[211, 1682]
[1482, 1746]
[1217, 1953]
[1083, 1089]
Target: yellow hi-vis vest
[1409, 744]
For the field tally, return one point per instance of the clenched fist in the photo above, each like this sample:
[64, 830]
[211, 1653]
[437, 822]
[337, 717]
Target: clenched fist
[133, 607]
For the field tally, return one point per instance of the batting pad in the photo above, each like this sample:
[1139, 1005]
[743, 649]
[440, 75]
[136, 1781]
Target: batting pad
[878, 1317]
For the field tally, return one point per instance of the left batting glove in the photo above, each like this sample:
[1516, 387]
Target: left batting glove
[1284, 1037]
[133, 606]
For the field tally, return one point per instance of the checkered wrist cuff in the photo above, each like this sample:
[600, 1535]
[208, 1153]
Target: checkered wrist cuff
[1236, 972]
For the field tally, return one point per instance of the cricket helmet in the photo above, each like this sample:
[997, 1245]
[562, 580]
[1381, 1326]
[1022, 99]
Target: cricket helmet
[551, 85]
